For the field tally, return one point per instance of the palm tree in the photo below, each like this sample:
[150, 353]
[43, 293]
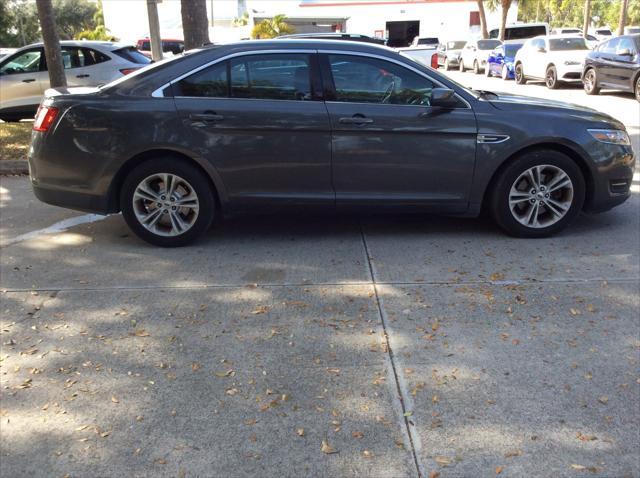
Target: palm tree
[195, 23]
[483, 19]
[504, 7]
[587, 17]
[623, 16]
[272, 28]
[52, 51]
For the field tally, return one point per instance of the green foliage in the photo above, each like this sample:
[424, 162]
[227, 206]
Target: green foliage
[272, 28]
[19, 23]
[569, 13]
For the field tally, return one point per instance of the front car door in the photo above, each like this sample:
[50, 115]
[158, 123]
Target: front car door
[607, 56]
[624, 66]
[389, 145]
[260, 120]
[21, 80]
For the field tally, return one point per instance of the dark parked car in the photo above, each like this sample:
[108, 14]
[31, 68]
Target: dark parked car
[613, 64]
[334, 36]
[260, 125]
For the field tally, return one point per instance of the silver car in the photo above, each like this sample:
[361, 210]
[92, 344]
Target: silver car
[24, 76]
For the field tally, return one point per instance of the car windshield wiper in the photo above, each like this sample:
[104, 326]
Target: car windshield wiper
[486, 93]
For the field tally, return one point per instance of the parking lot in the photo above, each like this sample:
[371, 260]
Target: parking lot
[324, 346]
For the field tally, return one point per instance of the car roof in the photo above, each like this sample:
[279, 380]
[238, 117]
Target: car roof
[290, 43]
[105, 45]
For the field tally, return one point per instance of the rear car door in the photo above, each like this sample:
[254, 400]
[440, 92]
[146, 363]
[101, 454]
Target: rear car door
[260, 120]
[22, 79]
[389, 145]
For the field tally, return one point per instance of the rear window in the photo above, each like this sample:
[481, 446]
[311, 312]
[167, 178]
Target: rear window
[564, 44]
[511, 50]
[131, 54]
[520, 33]
[488, 44]
[428, 41]
[456, 45]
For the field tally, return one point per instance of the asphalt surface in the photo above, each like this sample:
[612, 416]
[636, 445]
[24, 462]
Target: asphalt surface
[408, 345]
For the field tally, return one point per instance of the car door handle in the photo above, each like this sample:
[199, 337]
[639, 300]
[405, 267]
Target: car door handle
[82, 76]
[357, 120]
[29, 80]
[204, 118]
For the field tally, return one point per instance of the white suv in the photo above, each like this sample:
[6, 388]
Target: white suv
[24, 76]
[554, 59]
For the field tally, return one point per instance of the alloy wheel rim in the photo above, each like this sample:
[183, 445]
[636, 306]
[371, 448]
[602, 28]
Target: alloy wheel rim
[165, 204]
[589, 80]
[550, 78]
[541, 196]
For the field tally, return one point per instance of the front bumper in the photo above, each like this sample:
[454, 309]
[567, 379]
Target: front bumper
[611, 182]
[569, 73]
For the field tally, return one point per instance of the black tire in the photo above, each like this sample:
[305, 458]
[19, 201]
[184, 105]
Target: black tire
[551, 78]
[520, 78]
[638, 88]
[476, 67]
[487, 71]
[504, 73]
[193, 176]
[501, 188]
[590, 82]
[461, 66]
[447, 66]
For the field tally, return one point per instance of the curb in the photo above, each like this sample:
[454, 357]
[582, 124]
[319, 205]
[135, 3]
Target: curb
[13, 166]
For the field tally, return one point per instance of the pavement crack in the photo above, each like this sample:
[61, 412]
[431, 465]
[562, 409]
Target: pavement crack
[402, 396]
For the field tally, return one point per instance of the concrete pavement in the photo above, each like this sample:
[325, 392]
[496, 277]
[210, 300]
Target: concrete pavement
[321, 346]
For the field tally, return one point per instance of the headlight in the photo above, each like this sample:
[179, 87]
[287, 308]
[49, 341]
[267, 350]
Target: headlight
[571, 63]
[613, 136]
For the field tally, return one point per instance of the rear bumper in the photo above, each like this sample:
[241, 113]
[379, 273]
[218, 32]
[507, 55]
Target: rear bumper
[72, 199]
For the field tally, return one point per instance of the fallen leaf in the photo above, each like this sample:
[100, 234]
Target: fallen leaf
[228, 373]
[141, 333]
[511, 454]
[300, 432]
[499, 469]
[603, 399]
[357, 434]
[578, 467]
[327, 449]
[261, 309]
[195, 366]
[443, 460]
[434, 474]
[367, 454]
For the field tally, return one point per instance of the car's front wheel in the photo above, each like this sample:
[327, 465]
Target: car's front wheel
[590, 82]
[504, 73]
[638, 88]
[447, 66]
[487, 71]
[167, 202]
[520, 78]
[461, 66]
[476, 67]
[551, 78]
[537, 194]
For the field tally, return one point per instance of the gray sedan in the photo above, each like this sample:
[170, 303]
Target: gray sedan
[24, 76]
[271, 125]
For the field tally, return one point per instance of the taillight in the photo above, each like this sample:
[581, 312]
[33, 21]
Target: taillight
[126, 71]
[45, 117]
[434, 61]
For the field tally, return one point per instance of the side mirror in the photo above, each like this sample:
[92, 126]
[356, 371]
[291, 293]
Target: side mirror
[443, 97]
[624, 52]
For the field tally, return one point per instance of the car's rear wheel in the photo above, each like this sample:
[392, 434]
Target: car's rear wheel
[538, 194]
[638, 88]
[487, 71]
[504, 73]
[476, 67]
[590, 82]
[461, 66]
[551, 78]
[447, 66]
[520, 78]
[167, 202]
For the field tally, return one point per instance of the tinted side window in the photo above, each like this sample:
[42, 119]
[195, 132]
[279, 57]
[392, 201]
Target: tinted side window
[626, 43]
[369, 80]
[25, 62]
[130, 53]
[609, 46]
[271, 77]
[208, 83]
[93, 57]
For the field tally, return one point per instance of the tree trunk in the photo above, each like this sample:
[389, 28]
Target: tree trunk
[195, 23]
[154, 30]
[51, 44]
[483, 19]
[587, 18]
[623, 16]
[503, 20]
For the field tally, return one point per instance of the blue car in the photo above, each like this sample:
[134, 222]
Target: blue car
[500, 62]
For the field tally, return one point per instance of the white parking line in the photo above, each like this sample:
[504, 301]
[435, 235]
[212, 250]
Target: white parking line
[60, 226]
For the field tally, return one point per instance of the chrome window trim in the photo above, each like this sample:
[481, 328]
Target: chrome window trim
[399, 63]
[157, 93]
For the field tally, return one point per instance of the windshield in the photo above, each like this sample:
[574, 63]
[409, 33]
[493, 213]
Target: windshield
[511, 50]
[563, 44]
[421, 56]
[456, 45]
[488, 44]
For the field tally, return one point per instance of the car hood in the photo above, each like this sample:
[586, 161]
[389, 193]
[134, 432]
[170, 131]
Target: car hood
[511, 102]
[570, 55]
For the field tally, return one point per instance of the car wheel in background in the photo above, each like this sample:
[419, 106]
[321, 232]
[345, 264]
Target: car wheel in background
[520, 78]
[537, 194]
[167, 202]
[590, 82]
[447, 66]
[476, 67]
[638, 88]
[504, 73]
[487, 71]
[551, 78]
[461, 66]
